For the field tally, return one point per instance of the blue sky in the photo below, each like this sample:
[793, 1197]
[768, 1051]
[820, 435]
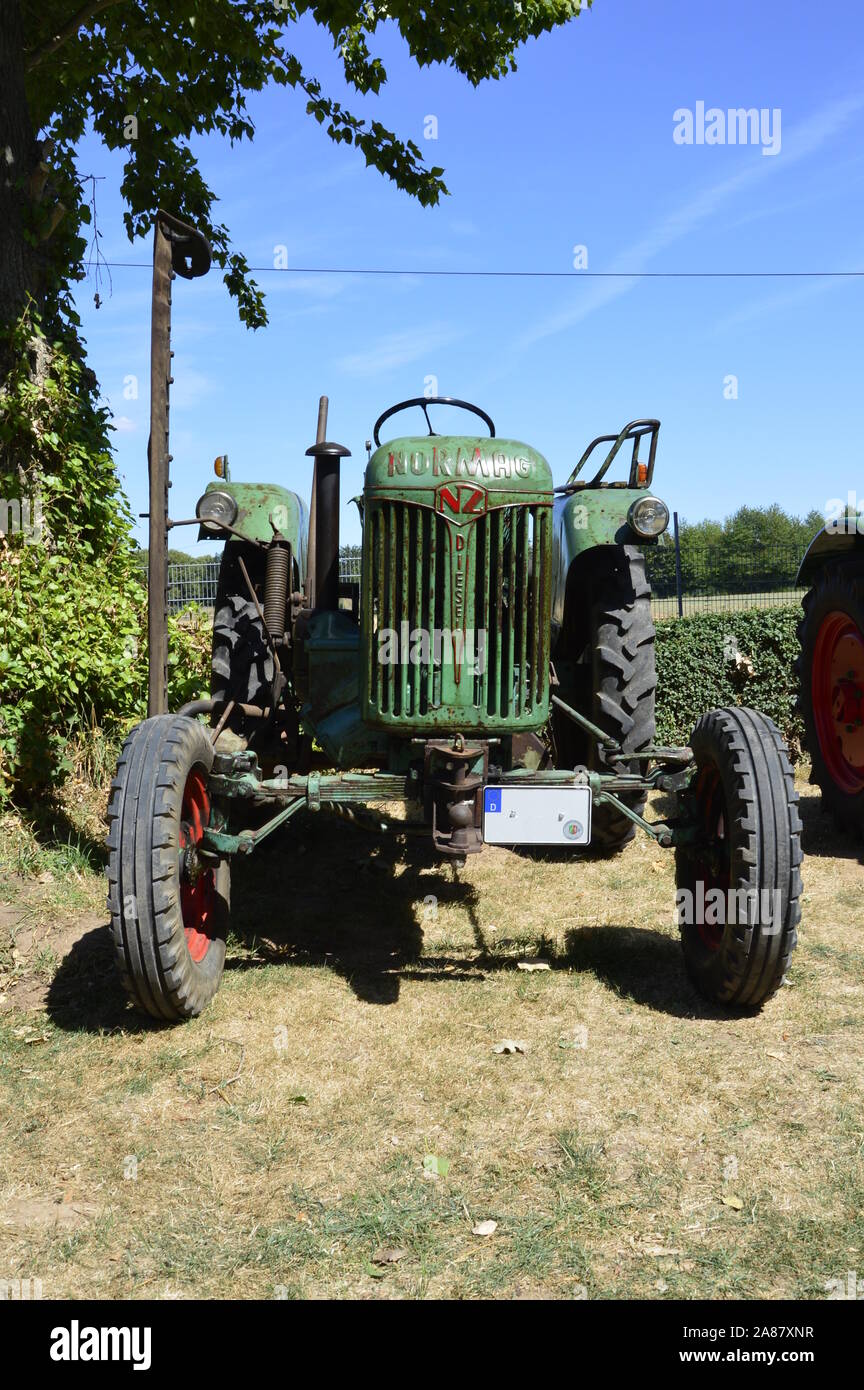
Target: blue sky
[575, 148]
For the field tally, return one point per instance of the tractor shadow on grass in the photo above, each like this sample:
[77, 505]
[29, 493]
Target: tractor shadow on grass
[641, 966]
[85, 994]
[355, 903]
[351, 901]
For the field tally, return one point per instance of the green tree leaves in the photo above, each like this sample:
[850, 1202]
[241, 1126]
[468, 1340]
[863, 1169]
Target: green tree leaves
[757, 548]
[181, 69]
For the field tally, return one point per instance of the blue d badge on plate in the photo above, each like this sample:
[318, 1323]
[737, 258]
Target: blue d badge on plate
[492, 800]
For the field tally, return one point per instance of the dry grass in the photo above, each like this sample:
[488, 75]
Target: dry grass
[280, 1139]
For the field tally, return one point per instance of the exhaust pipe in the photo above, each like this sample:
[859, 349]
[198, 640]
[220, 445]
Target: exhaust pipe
[324, 517]
[320, 436]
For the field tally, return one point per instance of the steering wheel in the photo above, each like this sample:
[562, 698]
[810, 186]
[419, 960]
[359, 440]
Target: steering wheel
[423, 402]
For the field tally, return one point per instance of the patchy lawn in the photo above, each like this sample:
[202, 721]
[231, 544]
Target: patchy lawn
[643, 1145]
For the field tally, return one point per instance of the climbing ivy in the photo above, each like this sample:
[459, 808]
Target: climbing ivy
[72, 601]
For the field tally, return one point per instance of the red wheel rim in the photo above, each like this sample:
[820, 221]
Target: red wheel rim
[197, 889]
[837, 683]
[714, 863]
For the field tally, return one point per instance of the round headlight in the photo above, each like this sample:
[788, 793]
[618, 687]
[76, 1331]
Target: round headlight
[216, 507]
[648, 516]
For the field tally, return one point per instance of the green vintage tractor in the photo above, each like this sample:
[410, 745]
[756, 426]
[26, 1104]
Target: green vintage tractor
[493, 671]
[830, 667]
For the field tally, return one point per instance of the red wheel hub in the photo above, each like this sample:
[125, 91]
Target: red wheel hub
[197, 884]
[837, 685]
[714, 863]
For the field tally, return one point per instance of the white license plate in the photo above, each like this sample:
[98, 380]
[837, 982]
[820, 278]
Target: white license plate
[537, 815]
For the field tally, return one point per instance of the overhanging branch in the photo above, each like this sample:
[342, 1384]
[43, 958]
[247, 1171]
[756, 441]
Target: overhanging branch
[86, 12]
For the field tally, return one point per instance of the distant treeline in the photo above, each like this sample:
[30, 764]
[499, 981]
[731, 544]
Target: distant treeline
[757, 548]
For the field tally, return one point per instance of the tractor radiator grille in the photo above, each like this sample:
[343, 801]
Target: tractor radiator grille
[494, 597]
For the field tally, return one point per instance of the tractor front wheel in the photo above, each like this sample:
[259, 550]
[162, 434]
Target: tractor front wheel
[169, 906]
[738, 876]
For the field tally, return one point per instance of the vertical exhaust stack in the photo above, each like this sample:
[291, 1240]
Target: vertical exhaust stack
[324, 516]
[320, 436]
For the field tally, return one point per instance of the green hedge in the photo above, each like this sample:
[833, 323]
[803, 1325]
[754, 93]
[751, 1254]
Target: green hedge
[736, 658]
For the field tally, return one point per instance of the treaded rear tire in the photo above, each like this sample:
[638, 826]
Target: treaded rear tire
[615, 649]
[748, 961]
[839, 586]
[144, 893]
[241, 662]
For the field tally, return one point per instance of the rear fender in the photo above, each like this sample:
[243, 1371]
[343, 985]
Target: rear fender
[832, 543]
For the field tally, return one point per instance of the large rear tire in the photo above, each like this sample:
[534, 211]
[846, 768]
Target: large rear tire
[608, 643]
[830, 673]
[241, 659]
[169, 912]
[739, 883]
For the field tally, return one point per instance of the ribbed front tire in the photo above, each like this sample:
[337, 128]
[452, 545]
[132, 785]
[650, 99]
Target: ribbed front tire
[739, 881]
[169, 914]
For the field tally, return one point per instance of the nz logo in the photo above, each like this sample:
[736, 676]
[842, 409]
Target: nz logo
[461, 502]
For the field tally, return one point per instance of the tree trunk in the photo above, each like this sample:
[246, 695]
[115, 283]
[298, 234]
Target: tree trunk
[18, 263]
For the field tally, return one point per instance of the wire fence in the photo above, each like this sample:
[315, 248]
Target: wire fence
[196, 581]
[705, 579]
[193, 583]
[349, 567]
